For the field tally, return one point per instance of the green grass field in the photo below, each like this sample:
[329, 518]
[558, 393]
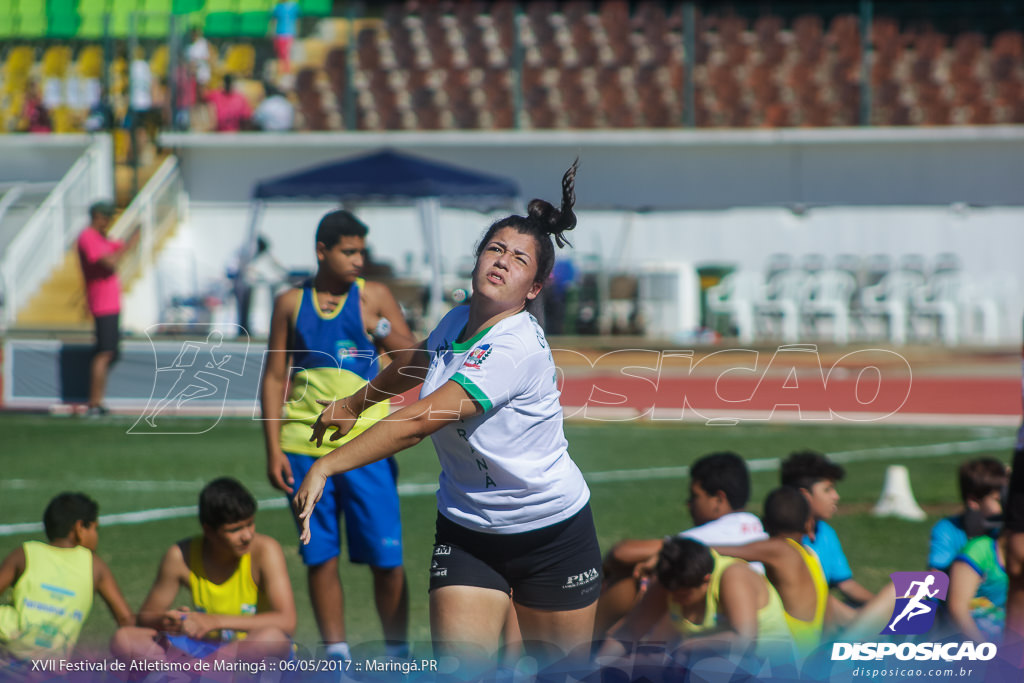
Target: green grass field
[43, 456]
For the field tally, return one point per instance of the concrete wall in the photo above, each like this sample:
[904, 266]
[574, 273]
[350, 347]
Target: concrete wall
[39, 158]
[661, 170]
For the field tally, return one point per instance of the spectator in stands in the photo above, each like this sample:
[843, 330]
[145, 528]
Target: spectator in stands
[275, 113]
[231, 109]
[185, 96]
[286, 23]
[53, 586]
[816, 476]
[982, 481]
[35, 117]
[99, 256]
[141, 119]
[100, 117]
[197, 56]
[719, 490]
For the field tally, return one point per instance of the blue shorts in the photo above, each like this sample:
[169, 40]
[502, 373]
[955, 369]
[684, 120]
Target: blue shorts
[193, 647]
[368, 498]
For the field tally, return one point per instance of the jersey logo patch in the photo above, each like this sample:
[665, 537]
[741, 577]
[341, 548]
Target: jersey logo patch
[477, 356]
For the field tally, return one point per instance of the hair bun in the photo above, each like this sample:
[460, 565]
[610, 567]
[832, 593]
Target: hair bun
[557, 221]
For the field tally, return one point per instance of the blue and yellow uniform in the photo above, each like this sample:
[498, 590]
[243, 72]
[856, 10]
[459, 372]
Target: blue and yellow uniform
[239, 594]
[51, 601]
[774, 641]
[807, 634]
[332, 357]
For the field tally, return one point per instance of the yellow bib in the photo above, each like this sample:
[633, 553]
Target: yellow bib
[52, 600]
[237, 595]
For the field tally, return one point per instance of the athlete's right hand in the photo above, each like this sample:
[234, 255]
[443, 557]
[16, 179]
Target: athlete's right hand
[279, 472]
[306, 498]
[335, 414]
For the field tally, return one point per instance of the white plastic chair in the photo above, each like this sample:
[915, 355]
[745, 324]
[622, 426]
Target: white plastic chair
[734, 296]
[782, 298]
[890, 300]
[828, 294]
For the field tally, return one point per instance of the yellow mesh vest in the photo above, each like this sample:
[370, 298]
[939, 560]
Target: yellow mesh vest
[773, 637]
[237, 595]
[52, 600]
[807, 634]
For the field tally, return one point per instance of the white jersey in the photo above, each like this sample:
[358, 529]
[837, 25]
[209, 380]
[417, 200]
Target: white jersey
[508, 469]
[735, 528]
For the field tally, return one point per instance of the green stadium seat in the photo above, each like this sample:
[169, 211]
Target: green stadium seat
[63, 25]
[7, 7]
[221, 24]
[254, 24]
[124, 6]
[32, 25]
[318, 8]
[255, 6]
[154, 25]
[186, 6]
[91, 26]
[164, 6]
[7, 27]
[213, 6]
[121, 24]
[58, 8]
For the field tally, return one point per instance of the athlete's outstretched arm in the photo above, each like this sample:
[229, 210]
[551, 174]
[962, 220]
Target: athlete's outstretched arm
[407, 369]
[403, 429]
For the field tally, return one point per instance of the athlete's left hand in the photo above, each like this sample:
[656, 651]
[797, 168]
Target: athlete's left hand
[307, 497]
[335, 414]
[197, 624]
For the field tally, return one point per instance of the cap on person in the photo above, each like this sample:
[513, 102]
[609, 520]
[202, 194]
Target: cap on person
[101, 208]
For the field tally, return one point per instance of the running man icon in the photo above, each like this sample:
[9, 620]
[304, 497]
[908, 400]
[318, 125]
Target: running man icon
[920, 594]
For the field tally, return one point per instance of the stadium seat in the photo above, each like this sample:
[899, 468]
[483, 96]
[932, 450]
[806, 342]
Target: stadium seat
[63, 25]
[254, 24]
[186, 6]
[255, 5]
[316, 8]
[213, 6]
[221, 24]
[7, 27]
[734, 296]
[32, 25]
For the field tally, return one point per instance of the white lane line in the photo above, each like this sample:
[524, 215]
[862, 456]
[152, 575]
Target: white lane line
[645, 474]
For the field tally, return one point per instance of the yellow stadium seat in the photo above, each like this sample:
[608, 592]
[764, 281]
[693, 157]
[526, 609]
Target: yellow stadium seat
[240, 60]
[159, 61]
[90, 61]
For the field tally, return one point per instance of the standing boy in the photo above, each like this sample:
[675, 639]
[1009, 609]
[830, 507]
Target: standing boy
[242, 604]
[54, 584]
[100, 256]
[330, 332]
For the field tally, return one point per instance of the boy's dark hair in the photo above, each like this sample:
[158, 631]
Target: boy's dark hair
[542, 222]
[980, 477]
[338, 224]
[225, 501]
[786, 510]
[723, 471]
[63, 511]
[683, 563]
[804, 469]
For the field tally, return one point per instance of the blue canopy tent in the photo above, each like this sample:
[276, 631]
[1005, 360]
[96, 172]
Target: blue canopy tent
[391, 177]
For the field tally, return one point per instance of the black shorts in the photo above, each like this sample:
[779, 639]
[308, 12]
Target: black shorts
[108, 332]
[554, 568]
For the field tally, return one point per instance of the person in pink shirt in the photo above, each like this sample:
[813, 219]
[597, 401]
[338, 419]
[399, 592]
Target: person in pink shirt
[230, 108]
[99, 256]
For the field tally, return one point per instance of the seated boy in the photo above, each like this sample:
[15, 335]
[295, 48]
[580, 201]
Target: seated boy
[719, 490]
[716, 604]
[242, 604]
[54, 584]
[816, 476]
[792, 569]
[982, 481]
